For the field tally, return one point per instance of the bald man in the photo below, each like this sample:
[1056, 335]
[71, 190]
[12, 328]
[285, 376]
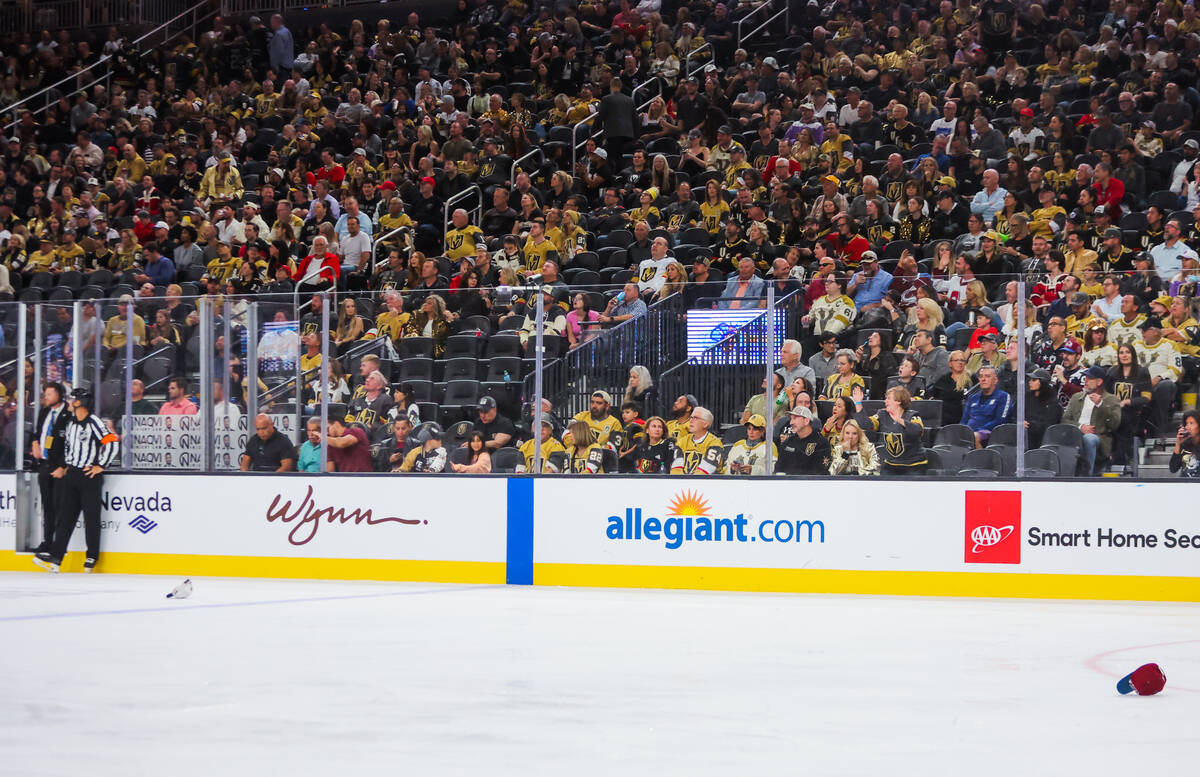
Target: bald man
[267, 450]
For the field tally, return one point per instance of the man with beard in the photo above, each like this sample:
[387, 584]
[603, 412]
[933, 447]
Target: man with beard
[1068, 375]
[605, 427]
[681, 412]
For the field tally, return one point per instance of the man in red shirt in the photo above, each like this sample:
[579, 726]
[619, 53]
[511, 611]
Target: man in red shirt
[845, 244]
[331, 267]
[1109, 191]
[349, 448]
[330, 170]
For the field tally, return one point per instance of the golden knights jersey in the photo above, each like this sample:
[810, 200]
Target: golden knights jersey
[902, 445]
[1125, 389]
[1077, 327]
[1161, 360]
[1104, 356]
[1027, 145]
[586, 461]
[893, 187]
[1190, 330]
[461, 242]
[677, 216]
[549, 447]
[652, 273]
[754, 455]
[698, 457]
[1121, 332]
[607, 429]
[1149, 237]
[832, 316]
[712, 215]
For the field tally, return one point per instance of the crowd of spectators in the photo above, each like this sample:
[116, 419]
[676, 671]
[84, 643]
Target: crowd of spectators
[897, 169]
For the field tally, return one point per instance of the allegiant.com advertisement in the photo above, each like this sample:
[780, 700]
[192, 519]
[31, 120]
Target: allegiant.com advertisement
[688, 518]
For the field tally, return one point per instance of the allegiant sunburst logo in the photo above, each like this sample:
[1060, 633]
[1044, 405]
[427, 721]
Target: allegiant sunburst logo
[688, 503]
[689, 518]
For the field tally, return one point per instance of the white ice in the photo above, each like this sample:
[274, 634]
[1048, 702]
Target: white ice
[105, 676]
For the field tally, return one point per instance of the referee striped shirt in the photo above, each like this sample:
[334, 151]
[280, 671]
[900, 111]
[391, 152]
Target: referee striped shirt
[89, 442]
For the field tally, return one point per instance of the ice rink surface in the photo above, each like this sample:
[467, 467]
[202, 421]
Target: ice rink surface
[104, 676]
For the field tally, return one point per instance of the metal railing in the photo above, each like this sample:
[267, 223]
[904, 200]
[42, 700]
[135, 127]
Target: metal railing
[654, 341]
[576, 143]
[101, 70]
[383, 239]
[535, 152]
[689, 72]
[729, 372]
[474, 213]
[742, 38]
[653, 83]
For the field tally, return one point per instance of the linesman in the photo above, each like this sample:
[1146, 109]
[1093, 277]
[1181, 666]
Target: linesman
[86, 448]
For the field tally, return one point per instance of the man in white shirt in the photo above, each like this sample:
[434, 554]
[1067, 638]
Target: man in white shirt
[652, 272]
[849, 112]
[355, 247]
[945, 125]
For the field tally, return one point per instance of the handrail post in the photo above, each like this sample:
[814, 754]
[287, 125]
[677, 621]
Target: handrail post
[575, 138]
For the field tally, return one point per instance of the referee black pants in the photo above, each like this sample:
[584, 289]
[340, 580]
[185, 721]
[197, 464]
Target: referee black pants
[49, 488]
[78, 492]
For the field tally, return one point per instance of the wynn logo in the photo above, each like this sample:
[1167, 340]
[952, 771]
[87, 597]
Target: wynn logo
[143, 524]
[987, 536]
[308, 516]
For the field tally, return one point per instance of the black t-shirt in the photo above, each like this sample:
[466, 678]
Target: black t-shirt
[499, 425]
[804, 455]
[268, 455]
[996, 18]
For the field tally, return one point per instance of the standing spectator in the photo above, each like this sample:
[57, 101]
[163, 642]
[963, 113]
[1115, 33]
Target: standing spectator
[281, 48]
[615, 117]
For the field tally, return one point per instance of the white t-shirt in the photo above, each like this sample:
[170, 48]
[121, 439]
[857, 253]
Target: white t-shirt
[943, 126]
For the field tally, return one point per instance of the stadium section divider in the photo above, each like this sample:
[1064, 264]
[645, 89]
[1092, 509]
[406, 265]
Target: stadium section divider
[1098, 539]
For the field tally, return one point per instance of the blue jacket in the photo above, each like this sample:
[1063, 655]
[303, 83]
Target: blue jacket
[755, 291]
[162, 272]
[984, 413]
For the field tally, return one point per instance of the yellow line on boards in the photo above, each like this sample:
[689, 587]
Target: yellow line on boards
[274, 566]
[896, 583]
